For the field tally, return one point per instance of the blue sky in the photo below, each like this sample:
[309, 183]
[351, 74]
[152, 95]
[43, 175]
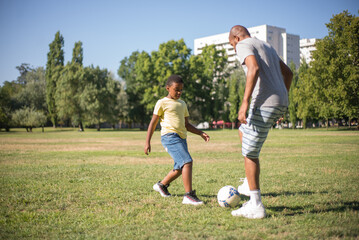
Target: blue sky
[112, 30]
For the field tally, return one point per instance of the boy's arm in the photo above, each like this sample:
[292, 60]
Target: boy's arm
[150, 130]
[287, 74]
[194, 130]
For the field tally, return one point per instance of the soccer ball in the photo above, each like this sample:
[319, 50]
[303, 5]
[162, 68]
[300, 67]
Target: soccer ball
[228, 196]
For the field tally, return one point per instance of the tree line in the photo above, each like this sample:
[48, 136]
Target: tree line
[74, 95]
[328, 87]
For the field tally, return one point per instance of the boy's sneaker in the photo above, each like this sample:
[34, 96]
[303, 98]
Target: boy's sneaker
[250, 210]
[244, 188]
[162, 189]
[191, 198]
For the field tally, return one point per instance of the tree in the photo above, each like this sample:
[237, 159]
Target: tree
[24, 68]
[69, 89]
[292, 108]
[343, 45]
[99, 96]
[207, 71]
[134, 90]
[122, 105]
[329, 87]
[54, 66]
[28, 118]
[335, 69]
[112, 110]
[236, 82]
[145, 75]
[5, 108]
[8, 102]
[33, 93]
[303, 94]
[5, 118]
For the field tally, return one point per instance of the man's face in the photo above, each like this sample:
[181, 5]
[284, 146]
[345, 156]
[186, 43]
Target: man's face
[233, 41]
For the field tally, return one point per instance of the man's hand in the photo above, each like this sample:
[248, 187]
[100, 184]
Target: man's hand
[242, 117]
[242, 113]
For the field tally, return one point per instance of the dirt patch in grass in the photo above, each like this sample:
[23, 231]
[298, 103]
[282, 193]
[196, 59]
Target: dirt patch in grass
[44, 145]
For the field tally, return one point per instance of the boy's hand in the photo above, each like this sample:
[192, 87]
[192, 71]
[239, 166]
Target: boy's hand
[205, 136]
[147, 148]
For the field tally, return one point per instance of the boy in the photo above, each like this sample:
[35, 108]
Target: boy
[174, 115]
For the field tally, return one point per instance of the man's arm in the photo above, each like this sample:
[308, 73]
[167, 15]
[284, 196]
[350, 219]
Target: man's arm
[287, 74]
[252, 77]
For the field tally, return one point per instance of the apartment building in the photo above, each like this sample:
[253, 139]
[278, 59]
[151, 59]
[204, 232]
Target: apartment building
[286, 45]
[307, 46]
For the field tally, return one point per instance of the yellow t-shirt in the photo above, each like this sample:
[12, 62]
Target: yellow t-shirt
[172, 115]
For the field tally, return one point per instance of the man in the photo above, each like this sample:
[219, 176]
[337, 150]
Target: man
[268, 81]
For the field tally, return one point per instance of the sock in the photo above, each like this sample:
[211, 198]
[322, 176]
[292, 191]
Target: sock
[255, 196]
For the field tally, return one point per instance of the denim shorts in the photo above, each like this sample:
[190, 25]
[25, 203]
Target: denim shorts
[177, 148]
[255, 131]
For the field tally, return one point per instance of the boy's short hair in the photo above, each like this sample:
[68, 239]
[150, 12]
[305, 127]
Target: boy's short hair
[174, 79]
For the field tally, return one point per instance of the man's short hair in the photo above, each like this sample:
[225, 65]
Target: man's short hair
[174, 79]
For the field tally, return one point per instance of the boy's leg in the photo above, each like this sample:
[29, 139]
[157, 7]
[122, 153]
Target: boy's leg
[187, 177]
[171, 176]
[190, 197]
[162, 186]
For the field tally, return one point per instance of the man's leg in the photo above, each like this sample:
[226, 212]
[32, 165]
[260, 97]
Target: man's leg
[254, 208]
[252, 168]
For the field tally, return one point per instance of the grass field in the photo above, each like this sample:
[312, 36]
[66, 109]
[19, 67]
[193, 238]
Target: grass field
[64, 184]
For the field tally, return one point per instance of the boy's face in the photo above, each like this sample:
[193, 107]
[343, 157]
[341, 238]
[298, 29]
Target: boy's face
[175, 90]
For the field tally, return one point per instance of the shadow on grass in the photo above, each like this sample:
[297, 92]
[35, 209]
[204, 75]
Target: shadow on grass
[294, 193]
[198, 195]
[39, 130]
[299, 210]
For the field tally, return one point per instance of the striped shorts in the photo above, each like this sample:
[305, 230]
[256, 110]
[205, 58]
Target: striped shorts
[255, 131]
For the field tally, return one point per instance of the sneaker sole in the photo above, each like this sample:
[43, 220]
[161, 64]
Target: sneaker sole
[255, 215]
[189, 202]
[251, 216]
[195, 204]
[157, 189]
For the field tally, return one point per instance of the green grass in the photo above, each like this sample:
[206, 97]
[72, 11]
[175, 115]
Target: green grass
[65, 184]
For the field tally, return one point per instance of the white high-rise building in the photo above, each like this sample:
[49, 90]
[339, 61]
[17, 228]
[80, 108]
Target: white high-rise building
[286, 45]
[307, 46]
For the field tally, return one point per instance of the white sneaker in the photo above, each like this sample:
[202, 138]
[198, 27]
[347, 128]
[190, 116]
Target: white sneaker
[162, 189]
[191, 198]
[250, 210]
[244, 188]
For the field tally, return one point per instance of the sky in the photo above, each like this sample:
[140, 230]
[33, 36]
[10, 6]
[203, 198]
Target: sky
[111, 30]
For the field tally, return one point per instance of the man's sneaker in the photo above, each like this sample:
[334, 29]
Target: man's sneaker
[162, 189]
[250, 210]
[191, 198]
[244, 188]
